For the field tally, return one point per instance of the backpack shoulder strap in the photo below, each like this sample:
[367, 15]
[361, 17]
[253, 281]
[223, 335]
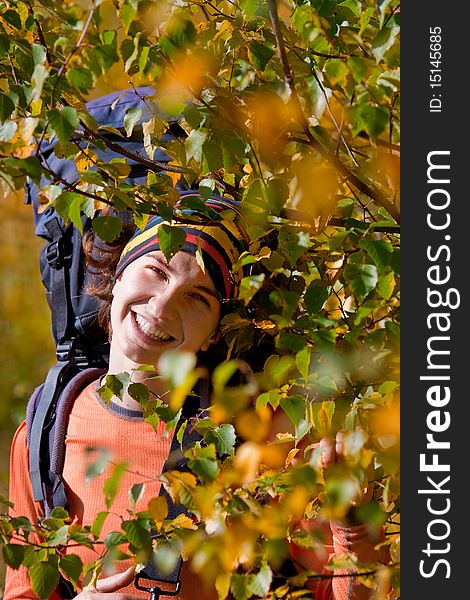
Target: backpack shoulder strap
[177, 461]
[46, 424]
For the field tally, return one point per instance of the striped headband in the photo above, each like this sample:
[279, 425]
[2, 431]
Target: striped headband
[220, 241]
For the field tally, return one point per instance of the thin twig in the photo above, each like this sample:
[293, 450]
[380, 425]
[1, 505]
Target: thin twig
[155, 166]
[75, 49]
[40, 33]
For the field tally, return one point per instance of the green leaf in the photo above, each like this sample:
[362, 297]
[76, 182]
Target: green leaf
[362, 279]
[96, 468]
[136, 492]
[98, 523]
[194, 143]
[181, 431]
[277, 370]
[81, 79]
[39, 54]
[118, 382]
[261, 582]
[249, 286]
[380, 252]
[259, 54]
[4, 43]
[273, 397]
[71, 566]
[137, 535]
[5, 502]
[68, 205]
[316, 295]
[59, 537]
[383, 41]
[66, 150]
[114, 539]
[382, 6]
[204, 464]
[180, 30]
[139, 391]
[371, 119]
[240, 586]
[359, 67]
[131, 118]
[12, 17]
[171, 240]
[205, 468]
[302, 360]
[107, 227]
[59, 512]
[293, 242]
[7, 131]
[222, 437]
[213, 155]
[127, 13]
[6, 107]
[294, 407]
[112, 484]
[174, 366]
[44, 579]
[277, 193]
[386, 285]
[13, 554]
[336, 71]
[39, 76]
[63, 122]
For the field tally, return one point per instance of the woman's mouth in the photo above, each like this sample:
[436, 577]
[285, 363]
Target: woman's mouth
[151, 331]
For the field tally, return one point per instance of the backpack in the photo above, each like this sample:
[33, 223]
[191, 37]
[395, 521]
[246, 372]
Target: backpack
[82, 347]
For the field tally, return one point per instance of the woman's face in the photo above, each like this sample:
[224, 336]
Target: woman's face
[159, 306]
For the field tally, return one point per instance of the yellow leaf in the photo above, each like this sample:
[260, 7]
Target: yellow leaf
[85, 159]
[26, 129]
[225, 26]
[296, 502]
[184, 522]
[175, 177]
[253, 425]
[246, 463]
[222, 585]
[178, 481]
[158, 509]
[290, 457]
[266, 324]
[36, 107]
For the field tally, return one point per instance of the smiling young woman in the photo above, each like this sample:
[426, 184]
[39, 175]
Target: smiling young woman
[159, 306]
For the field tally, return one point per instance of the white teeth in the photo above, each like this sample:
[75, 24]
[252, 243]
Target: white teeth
[152, 332]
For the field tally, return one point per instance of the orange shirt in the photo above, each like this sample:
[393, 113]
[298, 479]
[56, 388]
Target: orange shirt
[127, 437]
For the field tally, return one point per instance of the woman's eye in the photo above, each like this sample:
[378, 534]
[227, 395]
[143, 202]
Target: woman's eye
[202, 299]
[159, 272]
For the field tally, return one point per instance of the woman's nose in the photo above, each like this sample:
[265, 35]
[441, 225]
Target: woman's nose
[163, 305]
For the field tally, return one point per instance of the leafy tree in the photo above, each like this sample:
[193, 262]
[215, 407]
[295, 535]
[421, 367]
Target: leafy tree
[291, 107]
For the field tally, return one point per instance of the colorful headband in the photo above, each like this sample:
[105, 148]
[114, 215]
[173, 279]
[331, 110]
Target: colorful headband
[220, 240]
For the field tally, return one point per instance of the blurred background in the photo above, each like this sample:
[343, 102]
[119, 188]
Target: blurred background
[26, 349]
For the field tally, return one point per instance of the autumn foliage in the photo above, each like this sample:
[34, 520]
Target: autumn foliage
[291, 108]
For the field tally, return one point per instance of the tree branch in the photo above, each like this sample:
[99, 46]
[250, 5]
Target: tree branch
[366, 189]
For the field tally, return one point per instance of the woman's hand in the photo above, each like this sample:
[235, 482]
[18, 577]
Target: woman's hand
[332, 452]
[108, 588]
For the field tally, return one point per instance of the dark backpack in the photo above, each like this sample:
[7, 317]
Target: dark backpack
[82, 345]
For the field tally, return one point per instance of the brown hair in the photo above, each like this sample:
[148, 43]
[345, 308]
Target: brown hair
[101, 259]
